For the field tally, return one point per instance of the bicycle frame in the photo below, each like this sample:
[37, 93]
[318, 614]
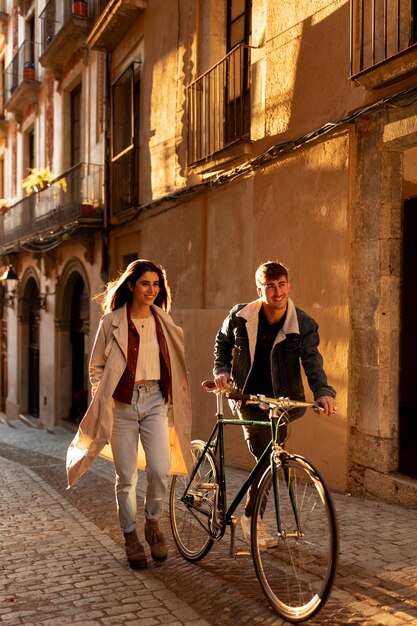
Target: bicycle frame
[222, 513]
[293, 527]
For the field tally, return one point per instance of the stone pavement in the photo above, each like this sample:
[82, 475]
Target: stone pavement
[62, 558]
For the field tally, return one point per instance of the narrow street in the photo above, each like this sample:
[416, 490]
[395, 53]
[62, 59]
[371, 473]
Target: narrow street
[63, 562]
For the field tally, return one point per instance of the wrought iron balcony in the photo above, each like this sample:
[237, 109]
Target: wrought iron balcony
[64, 29]
[22, 78]
[71, 202]
[383, 37]
[112, 19]
[219, 106]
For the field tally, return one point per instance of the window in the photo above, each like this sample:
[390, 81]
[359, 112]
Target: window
[28, 156]
[125, 105]
[237, 88]
[30, 38]
[381, 30]
[31, 148]
[238, 22]
[219, 100]
[75, 146]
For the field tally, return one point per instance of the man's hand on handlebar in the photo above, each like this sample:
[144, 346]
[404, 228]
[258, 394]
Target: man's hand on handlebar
[328, 404]
[223, 382]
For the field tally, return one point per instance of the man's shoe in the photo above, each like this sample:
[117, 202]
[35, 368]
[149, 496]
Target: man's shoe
[265, 539]
[156, 540]
[135, 551]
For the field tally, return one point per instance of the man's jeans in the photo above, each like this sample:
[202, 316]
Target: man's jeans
[257, 438]
[145, 416]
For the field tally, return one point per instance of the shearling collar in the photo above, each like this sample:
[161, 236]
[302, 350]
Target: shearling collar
[251, 310]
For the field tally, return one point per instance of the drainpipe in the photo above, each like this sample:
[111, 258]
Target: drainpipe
[105, 256]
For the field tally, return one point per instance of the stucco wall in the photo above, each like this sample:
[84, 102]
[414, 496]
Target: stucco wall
[211, 248]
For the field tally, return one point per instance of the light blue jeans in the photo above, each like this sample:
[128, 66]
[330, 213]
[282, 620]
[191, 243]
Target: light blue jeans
[146, 417]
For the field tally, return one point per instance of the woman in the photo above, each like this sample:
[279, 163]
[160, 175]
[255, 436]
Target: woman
[140, 414]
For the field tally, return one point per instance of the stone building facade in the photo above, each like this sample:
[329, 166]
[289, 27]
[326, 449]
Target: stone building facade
[229, 132]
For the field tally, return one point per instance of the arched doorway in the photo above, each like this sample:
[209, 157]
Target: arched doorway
[72, 323]
[408, 345]
[78, 330]
[30, 320]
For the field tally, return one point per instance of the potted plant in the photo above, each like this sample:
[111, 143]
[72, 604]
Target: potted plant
[4, 206]
[39, 179]
[29, 71]
[87, 208]
[80, 7]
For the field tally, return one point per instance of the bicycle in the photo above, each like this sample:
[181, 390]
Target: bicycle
[297, 573]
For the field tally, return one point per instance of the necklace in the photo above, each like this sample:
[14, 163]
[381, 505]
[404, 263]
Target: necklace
[142, 321]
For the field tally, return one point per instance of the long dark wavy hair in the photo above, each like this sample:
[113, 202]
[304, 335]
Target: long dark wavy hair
[117, 292]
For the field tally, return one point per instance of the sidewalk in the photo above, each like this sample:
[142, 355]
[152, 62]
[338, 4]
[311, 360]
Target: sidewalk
[63, 561]
[60, 568]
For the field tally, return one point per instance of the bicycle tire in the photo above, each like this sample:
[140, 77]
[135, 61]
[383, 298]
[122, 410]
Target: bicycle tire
[297, 573]
[190, 522]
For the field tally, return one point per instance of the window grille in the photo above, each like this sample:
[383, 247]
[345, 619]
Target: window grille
[380, 29]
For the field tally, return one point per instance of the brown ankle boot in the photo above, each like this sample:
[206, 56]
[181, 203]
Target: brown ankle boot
[135, 551]
[155, 537]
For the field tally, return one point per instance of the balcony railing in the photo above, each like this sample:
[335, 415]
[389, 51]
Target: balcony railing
[219, 106]
[380, 30]
[23, 68]
[74, 198]
[56, 14]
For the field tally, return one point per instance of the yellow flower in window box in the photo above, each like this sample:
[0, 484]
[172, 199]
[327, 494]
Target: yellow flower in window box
[4, 205]
[39, 179]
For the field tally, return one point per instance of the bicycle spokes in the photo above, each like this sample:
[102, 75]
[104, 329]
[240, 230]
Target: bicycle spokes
[296, 511]
[192, 509]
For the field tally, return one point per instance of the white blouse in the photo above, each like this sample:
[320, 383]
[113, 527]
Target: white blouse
[148, 366]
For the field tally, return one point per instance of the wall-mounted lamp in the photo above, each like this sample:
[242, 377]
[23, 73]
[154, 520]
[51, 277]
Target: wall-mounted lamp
[10, 279]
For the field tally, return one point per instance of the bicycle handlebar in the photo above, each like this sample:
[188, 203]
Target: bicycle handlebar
[281, 403]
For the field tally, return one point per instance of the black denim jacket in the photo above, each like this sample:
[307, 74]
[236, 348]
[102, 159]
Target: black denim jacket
[296, 344]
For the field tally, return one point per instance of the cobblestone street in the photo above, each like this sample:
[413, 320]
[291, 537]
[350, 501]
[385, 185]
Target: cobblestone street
[63, 562]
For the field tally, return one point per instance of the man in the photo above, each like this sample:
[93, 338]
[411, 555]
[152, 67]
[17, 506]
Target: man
[260, 346]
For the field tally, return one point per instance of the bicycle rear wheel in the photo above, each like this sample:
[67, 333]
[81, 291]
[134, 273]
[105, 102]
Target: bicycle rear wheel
[190, 519]
[296, 574]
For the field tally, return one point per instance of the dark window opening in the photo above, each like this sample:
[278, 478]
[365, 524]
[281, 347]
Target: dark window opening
[125, 140]
[237, 91]
[238, 22]
[75, 148]
[31, 148]
[79, 315]
[33, 354]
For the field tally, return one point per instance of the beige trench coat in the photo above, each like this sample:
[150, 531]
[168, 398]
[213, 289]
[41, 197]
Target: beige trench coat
[94, 432]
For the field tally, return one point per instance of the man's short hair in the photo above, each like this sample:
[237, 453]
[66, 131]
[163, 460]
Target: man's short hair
[270, 270]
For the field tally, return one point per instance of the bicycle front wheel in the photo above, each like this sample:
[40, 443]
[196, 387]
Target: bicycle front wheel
[296, 567]
[190, 517]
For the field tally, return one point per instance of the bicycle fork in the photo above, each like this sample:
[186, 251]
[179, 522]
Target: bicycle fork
[276, 462]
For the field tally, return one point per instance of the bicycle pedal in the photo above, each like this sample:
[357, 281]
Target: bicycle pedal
[241, 553]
